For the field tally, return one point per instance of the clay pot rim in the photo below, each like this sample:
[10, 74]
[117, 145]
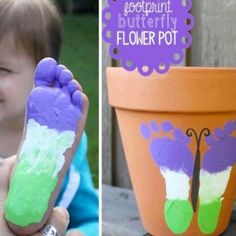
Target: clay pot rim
[182, 89]
[188, 68]
[182, 68]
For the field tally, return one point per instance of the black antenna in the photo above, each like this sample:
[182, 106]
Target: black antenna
[197, 165]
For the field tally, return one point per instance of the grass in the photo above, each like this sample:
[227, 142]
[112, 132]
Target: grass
[80, 54]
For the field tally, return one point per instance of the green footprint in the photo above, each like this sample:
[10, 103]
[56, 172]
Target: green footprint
[178, 215]
[208, 216]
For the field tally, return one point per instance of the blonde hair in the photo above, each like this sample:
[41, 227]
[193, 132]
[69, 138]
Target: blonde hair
[35, 25]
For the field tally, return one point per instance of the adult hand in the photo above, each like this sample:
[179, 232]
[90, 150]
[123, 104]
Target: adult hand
[59, 218]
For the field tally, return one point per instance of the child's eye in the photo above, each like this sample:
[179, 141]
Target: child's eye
[5, 71]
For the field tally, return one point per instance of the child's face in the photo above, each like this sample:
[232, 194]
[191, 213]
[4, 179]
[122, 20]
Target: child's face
[16, 81]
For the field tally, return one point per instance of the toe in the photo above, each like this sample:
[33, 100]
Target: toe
[65, 77]
[77, 99]
[74, 85]
[59, 69]
[45, 72]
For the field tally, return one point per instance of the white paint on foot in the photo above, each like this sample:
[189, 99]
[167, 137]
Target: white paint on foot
[45, 147]
[213, 185]
[177, 184]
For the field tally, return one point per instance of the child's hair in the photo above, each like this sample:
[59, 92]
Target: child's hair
[34, 24]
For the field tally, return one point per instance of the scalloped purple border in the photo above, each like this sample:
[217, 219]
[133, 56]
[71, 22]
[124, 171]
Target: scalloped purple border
[154, 57]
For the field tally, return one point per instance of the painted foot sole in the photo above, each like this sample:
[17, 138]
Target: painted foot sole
[56, 114]
[178, 215]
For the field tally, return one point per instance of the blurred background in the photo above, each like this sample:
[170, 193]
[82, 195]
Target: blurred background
[80, 54]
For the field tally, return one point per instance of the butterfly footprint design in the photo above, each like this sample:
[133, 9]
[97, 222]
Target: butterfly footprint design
[169, 149]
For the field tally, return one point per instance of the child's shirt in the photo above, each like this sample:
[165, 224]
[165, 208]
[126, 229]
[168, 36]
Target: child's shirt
[78, 195]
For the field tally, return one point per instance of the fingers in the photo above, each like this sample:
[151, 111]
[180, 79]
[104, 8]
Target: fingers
[59, 220]
[6, 166]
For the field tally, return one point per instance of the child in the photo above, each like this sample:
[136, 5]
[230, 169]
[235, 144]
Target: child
[31, 30]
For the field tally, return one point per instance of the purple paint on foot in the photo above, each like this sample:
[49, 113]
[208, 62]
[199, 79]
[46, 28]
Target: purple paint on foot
[73, 86]
[65, 77]
[77, 98]
[45, 72]
[59, 69]
[53, 106]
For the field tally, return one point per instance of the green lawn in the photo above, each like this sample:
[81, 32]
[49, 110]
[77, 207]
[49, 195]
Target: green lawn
[80, 54]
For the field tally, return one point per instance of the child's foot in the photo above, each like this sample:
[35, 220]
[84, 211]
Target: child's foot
[214, 176]
[172, 155]
[55, 119]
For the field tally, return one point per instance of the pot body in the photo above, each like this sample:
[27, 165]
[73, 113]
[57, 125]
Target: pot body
[179, 136]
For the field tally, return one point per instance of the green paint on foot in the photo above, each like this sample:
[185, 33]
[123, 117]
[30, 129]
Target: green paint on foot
[208, 216]
[178, 215]
[28, 199]
[36, 175]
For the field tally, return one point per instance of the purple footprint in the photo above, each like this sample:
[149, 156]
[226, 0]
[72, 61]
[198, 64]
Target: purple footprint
[56, 100]
[169, 152]
[222, 149]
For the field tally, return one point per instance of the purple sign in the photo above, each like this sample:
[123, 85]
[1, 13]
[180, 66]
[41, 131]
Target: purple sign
[148, 34]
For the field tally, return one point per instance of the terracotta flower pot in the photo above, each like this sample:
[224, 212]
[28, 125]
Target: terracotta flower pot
[179, 135]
